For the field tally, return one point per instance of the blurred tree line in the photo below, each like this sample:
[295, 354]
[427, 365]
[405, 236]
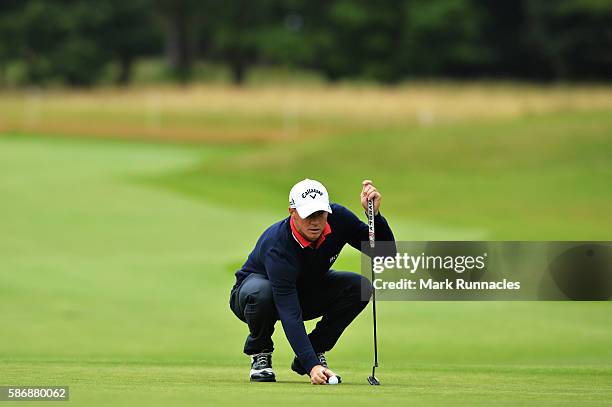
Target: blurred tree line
[73, 41]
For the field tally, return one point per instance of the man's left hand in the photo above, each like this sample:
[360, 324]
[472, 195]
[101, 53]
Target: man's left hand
[369, 191]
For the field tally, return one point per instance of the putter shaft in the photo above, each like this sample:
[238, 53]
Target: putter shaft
[372, 237]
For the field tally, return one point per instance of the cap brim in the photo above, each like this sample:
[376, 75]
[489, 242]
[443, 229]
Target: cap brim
[307, 210]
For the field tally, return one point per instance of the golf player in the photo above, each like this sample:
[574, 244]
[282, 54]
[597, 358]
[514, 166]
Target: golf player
[288, 277]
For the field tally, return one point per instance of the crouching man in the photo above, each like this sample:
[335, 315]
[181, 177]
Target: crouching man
[287, 277]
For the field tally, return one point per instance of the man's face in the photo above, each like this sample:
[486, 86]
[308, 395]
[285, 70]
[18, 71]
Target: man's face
[312, 226]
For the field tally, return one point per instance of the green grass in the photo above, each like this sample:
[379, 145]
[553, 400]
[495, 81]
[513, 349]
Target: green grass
[116, 260]
[544, 177]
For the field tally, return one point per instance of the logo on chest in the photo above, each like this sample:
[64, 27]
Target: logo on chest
[333, 258]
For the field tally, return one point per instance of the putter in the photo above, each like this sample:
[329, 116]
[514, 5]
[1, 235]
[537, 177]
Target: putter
[371, 235]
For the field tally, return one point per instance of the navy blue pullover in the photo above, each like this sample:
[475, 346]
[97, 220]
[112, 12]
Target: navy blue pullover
[279, 257]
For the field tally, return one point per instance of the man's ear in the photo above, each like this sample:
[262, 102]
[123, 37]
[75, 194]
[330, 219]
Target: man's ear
[291, 210]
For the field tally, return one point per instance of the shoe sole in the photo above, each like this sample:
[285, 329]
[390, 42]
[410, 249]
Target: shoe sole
[264, 379]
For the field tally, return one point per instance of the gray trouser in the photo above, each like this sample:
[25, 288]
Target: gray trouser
[337, 298]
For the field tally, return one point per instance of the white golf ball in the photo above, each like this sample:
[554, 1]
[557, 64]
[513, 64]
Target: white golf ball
[332, 380]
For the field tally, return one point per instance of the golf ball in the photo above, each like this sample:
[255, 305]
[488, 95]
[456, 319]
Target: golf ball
[332, 380]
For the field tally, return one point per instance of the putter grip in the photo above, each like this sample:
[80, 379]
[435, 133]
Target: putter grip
[371, 234]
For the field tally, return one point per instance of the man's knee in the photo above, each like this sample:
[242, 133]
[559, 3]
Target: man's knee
[359, 286]
[257, 297]
[261, 293]
[365, 287]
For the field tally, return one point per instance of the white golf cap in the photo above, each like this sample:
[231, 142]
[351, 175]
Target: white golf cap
[309, 196]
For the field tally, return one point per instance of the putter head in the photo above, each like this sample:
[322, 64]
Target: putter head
[373, 381]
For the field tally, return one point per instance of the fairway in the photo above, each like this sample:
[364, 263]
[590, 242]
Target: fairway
[117, 257]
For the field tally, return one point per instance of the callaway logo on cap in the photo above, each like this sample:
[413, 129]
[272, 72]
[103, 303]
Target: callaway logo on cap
[309, 196]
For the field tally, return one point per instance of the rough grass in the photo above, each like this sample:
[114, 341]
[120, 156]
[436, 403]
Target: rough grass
[227, 114]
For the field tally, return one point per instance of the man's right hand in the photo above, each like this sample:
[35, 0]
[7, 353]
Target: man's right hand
[320, 374]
